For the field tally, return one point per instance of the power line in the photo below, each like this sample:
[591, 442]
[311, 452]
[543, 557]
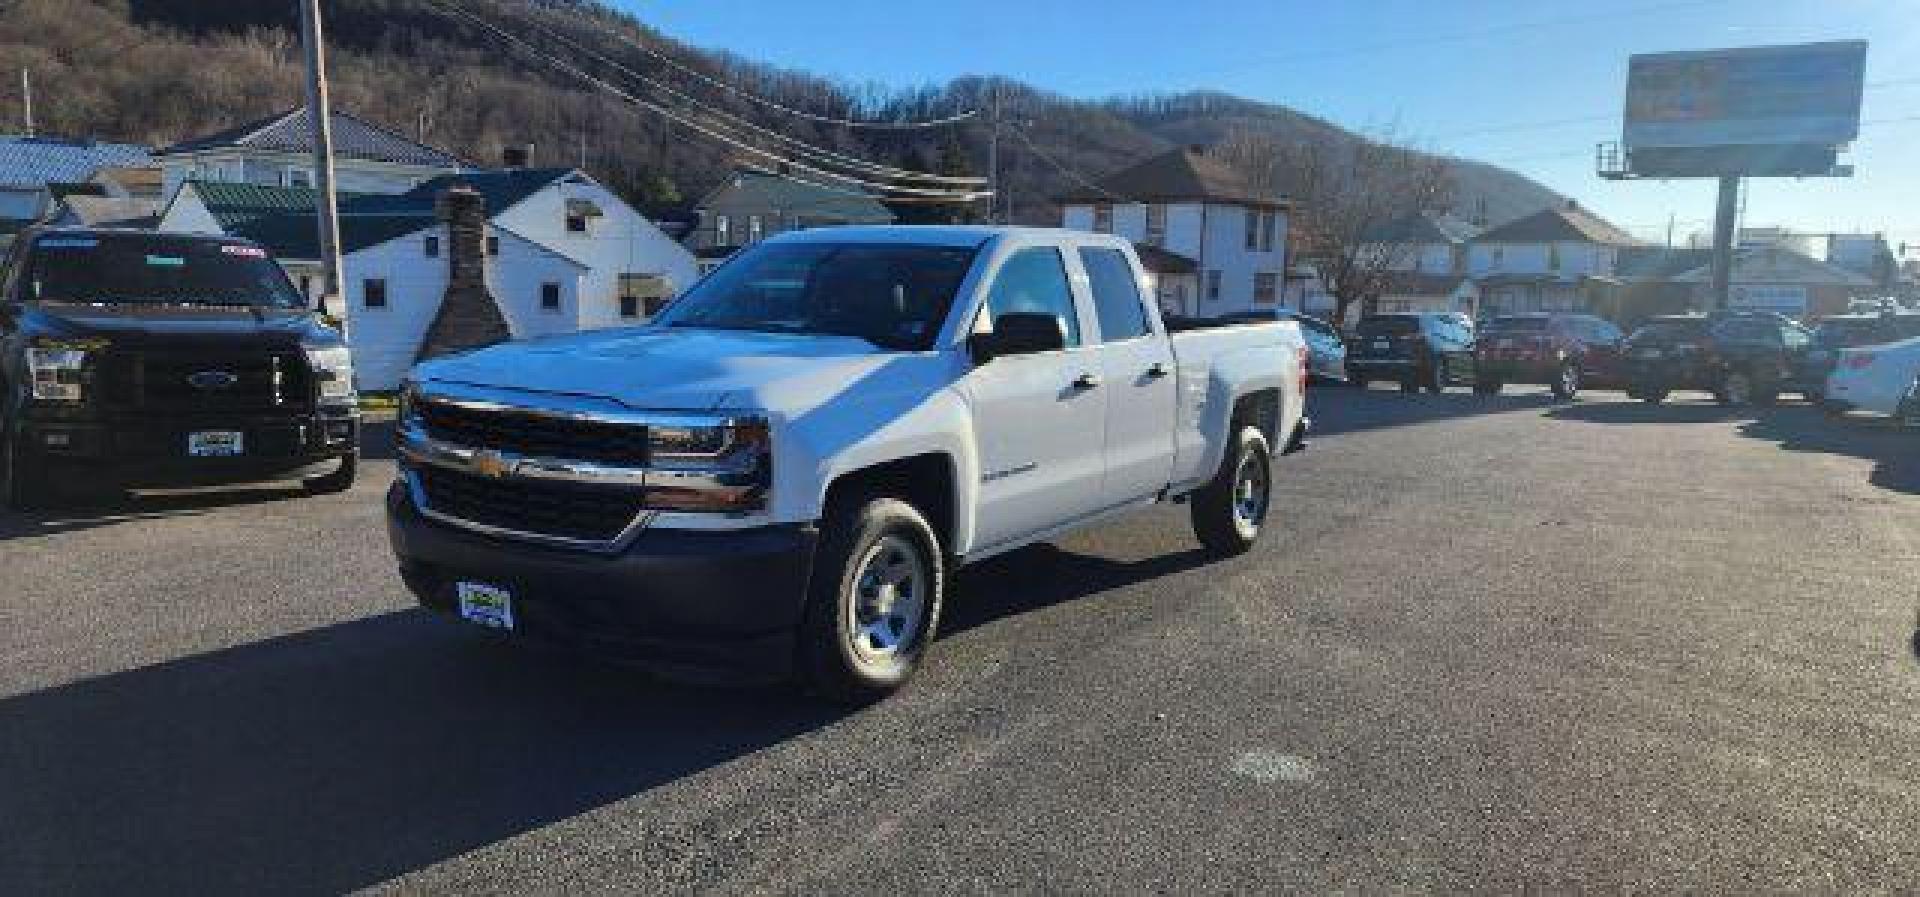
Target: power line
[801, 146]
[1063, 169]
[799, 113]
[699, 127]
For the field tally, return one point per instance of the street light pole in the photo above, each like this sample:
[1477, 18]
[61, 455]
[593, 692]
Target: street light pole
[320, 112]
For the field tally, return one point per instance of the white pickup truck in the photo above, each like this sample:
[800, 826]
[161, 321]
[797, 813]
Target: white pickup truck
[780, 472]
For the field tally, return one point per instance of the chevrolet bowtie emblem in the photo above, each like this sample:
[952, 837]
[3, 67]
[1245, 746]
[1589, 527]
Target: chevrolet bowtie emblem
[491, 464]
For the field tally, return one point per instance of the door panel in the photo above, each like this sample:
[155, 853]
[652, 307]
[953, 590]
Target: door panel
[1139, 379]
[1040, 439]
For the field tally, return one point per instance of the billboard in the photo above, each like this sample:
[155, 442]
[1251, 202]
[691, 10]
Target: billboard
[1800, 95]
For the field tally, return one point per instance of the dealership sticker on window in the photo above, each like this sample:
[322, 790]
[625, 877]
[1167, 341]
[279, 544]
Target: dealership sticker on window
[248, 251]
[166, 261]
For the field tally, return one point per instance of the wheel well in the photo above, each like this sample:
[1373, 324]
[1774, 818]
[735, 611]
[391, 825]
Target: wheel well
[924, 481]
[1261, 409]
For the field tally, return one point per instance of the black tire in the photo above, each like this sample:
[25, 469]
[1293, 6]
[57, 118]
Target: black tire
[1410, 384]
[1226, 521]
[1437, 376]
[837, 658]
[1652, 395]
[1736, 389]
[24, 484]
[340, 480]
[1566, 382]
[1487, 387]
[1359, 382]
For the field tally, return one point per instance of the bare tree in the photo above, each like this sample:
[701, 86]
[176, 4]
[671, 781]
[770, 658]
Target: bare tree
[1344, 194]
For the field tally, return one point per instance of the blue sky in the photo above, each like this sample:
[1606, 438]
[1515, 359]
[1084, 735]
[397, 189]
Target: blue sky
[1529, 85]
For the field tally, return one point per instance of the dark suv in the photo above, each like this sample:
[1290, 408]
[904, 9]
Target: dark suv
[1560, 351]
[1740, 357]
[133, 358]
[1414, 350]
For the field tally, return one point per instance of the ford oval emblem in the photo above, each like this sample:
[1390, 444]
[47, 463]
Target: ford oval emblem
[213, 380]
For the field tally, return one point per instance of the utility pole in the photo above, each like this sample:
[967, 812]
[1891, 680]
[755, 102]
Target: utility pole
[993, 158]
[26, 96]
[1670, 217]
[320, 111]
[1723, 223]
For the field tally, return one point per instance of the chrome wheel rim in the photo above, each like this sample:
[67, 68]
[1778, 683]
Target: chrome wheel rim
[1250, 493]
[889, 602]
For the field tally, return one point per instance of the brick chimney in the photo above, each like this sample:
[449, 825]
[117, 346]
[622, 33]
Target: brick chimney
[468, 317]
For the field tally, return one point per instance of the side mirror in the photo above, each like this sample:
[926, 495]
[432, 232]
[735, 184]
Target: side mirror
[1018, 333]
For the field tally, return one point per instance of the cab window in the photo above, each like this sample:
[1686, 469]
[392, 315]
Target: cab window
[1034, 280]
[1116, 294]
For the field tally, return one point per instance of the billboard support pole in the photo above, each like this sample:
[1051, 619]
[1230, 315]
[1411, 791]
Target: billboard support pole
[1723, 242]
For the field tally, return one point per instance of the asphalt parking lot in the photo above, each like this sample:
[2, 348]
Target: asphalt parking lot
[1491, 643]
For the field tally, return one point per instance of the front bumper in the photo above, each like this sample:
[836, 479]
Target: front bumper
[677, 601]
[1381, 368]
[138, 450]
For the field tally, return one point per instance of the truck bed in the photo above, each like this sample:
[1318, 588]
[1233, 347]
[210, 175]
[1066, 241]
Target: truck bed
[1213, 357]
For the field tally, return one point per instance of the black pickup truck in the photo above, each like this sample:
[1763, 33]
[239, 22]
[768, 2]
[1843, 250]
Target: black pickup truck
[138, 359]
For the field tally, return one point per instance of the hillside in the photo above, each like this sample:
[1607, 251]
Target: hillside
[156, 71]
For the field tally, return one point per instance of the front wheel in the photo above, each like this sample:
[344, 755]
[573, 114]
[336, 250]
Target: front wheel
[1487, 387]
[875, 600]
[1736, 390]
[24, 486]
[1229, 511]
[340, 480]
[1566, 382]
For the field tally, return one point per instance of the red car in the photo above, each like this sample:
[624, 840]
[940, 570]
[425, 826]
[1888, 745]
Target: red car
[1562, 351]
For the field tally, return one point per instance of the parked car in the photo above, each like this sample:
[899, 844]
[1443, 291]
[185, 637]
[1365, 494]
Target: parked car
[1326, 350]
[1740, 357]
[1874, 379]
[133, 358]
[1416, 350]
[1849, 332]
[1561, 351]
[779, 474]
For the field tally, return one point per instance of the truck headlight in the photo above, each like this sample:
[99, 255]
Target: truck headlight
[725, 466]
[333, 371]
[59, 373]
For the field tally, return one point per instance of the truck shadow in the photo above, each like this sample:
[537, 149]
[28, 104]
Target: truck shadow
[340, 757]
[1045, 575]
[1896, 463]
[1344, 409]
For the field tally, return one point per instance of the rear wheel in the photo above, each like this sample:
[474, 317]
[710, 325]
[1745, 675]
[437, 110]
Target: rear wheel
[1410, 384]
[1487, 387]
[1229, 511]
[24, 483]
[1652, 395]
[875, 599]
[1437, 376]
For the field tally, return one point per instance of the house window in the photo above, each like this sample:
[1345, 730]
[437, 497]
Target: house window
[493, 245]
[722, 231]
[1269, 226]
[629, 306]
[1102, 218]
[549, 297]
[1156, 225]
[373, 293]
[1253, 220]
[296, 177]
[432, 247]
[576, 224]
[1499, 257]
[1213, 286]
[1266, 288]
[1553, 256]
[753, 228]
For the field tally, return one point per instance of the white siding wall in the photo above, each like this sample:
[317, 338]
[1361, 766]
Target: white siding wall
[386, 340]
[1226, 251]
[351, 175]
[1183, 229]
[1077, 218]
[188, 215]
[621, 242]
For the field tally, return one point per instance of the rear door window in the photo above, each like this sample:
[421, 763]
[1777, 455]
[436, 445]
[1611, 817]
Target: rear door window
[1116, 294]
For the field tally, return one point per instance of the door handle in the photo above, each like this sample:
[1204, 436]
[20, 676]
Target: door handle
[1086, 381]
[1157, 371]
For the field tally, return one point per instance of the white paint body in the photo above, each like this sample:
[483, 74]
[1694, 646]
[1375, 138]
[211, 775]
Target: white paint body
[1031, 456]
[1874, 378]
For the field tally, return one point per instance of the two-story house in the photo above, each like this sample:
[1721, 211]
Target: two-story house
[561, 253]
[277, 151]
[1558, 259]
[1427, 255]
[753, 204]
[1212, 242]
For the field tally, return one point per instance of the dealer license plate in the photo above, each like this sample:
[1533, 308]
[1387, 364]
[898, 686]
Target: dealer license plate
[490, 606]
[1650, 354]
[1382, 344]
[216, 444]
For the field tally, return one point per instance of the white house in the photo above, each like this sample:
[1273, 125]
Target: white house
[1188, 205]
[277, 151]
[562, 253]
[1558, 259]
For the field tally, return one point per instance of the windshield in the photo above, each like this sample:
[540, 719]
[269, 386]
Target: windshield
[1516, 325]
[127, 269]
[893, 296]
[1389, 325]
[1669, 332]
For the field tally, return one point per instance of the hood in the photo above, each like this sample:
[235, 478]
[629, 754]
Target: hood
[133, 325]
[679, 369]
